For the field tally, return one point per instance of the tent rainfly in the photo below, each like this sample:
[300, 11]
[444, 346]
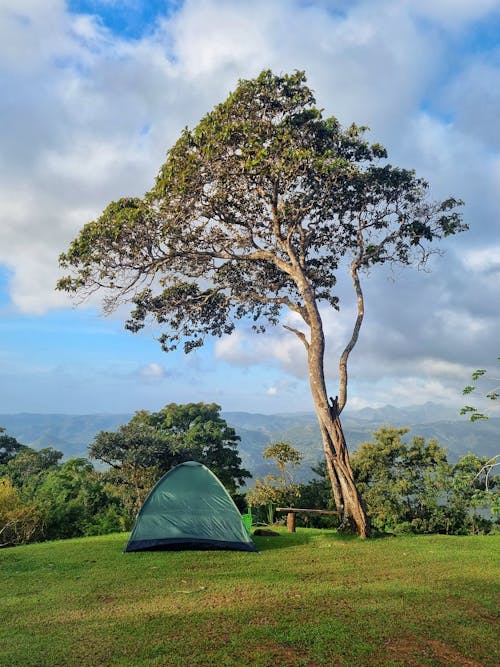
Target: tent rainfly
[189, 508]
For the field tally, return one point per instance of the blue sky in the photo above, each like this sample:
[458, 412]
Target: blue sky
[95, 92]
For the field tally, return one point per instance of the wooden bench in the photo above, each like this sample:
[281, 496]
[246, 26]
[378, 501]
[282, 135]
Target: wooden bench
[292, 511]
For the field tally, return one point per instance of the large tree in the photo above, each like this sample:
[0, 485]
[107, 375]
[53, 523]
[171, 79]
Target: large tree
[151, 443]
[255, 211]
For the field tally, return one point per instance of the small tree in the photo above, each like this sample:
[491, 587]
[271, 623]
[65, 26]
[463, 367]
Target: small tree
[472, 493]
[256, 210]
[19, 523]
[277, 489]
[412, 487]
[493, 394]
[286, 459]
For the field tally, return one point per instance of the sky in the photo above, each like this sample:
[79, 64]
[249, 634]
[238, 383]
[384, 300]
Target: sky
[94, 92]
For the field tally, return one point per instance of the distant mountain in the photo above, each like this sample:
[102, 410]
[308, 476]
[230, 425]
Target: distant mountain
[411, 414]
[72, 434]
[430, 420]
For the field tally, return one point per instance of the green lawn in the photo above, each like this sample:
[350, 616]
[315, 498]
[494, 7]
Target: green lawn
[312, 598]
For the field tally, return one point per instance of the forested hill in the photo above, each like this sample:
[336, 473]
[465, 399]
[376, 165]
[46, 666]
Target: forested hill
[72, 434]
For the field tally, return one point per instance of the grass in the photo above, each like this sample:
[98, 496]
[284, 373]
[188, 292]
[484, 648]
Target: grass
[307, 599]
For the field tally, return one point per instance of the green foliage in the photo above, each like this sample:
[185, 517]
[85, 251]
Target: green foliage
[151, 443]
[411, 487]
[9, 447]
[58, 500]
[286, 458]
[280, 489]
[76, 502]
[317, 494]
[492, 395]
[252, 212]
[19, 523]
[28, 467]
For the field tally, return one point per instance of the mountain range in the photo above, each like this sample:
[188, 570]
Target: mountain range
[72, 434]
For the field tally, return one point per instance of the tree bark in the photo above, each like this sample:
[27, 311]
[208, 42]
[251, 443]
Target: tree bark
[347, 499]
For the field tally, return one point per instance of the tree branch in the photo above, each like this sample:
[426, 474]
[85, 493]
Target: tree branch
[354, 337]
[299, 334]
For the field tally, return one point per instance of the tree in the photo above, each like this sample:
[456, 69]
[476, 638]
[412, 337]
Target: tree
[9, 446]
[412, 486]
[75, 502]
[286, 459]
[398, 479]
[476, 415]
[29, 467]
[277, 489]
[153, 442]
[256, 210]
[19, 523]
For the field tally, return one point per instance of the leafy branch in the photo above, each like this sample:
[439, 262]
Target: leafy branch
[493, 395]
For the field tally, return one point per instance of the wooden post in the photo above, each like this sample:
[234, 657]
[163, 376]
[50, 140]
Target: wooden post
[292, 511]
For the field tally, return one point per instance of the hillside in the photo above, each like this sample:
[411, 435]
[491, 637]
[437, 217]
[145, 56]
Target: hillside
[72, 434]
[310, 599]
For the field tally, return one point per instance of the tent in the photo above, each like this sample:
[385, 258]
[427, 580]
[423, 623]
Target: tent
[189, 509]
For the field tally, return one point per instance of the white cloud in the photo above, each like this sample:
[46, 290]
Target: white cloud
[413, 390]
[474, 96]
[276, 347]
[88, 116]
[102, 111]
[234, 349]
[32, 33]
[225, 34]
[152, 371]
[484, 260]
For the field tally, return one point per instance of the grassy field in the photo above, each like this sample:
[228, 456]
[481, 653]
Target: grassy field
[312, 598]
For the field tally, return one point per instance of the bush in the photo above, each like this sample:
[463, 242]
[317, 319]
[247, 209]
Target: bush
[19, 523]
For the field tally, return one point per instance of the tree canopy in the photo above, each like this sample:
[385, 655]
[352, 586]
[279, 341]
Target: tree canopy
[9, 446]
[256, 210]
[411, 486]
[258, 204]
[153, 442]
[278, 489]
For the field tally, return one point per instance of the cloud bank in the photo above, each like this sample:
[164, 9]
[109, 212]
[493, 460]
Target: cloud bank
[88, 113]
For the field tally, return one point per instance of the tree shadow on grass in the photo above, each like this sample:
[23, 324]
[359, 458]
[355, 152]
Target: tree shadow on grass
[287, 540]
[281, 541]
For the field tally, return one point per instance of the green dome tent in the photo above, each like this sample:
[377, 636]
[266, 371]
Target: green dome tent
[189, 509]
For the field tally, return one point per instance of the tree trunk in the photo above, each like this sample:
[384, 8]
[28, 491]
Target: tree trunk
[347, 499]
[354, 511]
